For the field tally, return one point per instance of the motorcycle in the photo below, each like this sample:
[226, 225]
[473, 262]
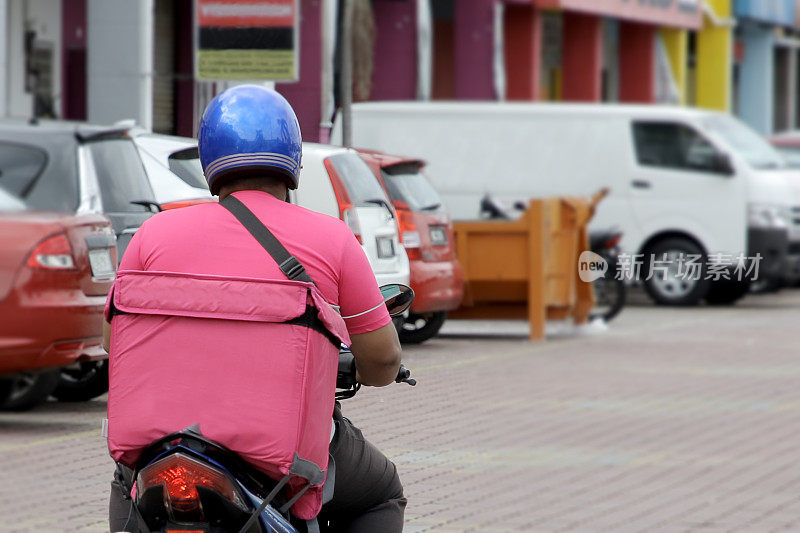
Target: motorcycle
[610, 291]
[185, 482]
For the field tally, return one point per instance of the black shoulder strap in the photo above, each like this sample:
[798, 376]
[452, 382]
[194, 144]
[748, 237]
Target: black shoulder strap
[288, 263]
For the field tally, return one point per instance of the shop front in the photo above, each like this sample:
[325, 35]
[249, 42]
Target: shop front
[618, 50]
[767, 64]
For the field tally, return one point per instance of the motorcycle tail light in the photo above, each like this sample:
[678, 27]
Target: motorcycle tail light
[613, 241]
[180, 475]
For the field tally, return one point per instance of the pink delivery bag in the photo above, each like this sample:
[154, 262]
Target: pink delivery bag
[251, 362]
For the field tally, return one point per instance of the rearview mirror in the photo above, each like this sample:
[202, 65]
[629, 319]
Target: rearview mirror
[397, 298]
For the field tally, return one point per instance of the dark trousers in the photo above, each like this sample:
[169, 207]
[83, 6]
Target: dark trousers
[367, 496]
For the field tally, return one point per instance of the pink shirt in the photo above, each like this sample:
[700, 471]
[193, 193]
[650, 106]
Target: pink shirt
[207, 239]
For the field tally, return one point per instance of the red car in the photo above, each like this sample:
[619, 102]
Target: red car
[55, 272]
[426, 232]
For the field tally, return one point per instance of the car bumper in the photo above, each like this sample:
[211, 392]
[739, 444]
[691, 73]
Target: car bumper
[792, 267]
[38, 334]
[438, 286]
[772, 244]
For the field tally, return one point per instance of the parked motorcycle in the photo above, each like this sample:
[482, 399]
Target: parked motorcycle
[610, 291]
[185, 482]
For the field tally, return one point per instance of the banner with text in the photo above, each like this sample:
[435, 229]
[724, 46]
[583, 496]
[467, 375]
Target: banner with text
[246, 40]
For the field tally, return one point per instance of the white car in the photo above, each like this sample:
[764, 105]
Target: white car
[334, 181]
[173, 167]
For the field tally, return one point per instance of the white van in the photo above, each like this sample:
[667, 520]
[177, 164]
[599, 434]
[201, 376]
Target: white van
[334, 181]
[683, 181]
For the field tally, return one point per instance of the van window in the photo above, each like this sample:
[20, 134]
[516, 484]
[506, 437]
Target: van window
[749, 145]
[672, 145]
[362, 185]
[406, 183]
[19, 167]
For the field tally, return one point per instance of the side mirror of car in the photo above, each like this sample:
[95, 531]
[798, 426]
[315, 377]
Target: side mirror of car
[722, 164]
[397, 298]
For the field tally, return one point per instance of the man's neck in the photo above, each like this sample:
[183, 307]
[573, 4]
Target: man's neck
[278, 192]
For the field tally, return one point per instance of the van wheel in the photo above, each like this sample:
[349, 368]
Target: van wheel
[726, 292]
[419, 328]
[84, 383]
[672, 283]
[28, 390]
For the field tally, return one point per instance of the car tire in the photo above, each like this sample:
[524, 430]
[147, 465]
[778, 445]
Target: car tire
[726, 292]
[29, 390]
[669, 289]
[83, 384]
[419, 328]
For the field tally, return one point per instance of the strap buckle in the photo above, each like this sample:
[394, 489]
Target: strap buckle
[292, 268]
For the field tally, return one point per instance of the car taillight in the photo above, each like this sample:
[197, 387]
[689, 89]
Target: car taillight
[180, 475]
[347, 211]
[409, 236]
[350, 217]
[54, 253]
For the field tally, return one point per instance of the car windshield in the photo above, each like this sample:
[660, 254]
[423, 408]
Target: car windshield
[9, 204]
[362, 185]
[406, 183]
[791, 154]
[121, 175]
[186, 164]
[748, 144]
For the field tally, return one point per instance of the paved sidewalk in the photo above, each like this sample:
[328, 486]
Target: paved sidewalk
[673, 420]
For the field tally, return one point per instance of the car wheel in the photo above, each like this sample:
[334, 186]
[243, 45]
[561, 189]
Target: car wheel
[726, 292]
[419, 328]
[81, 384]
[670, 283]
[29, 390]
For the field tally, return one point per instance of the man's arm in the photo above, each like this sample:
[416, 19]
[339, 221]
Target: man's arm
[374, 341]
[377, 355]
[106, 335]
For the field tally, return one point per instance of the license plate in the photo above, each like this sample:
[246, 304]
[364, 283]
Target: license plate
[438, 235]
[385, 247]
[100, 261]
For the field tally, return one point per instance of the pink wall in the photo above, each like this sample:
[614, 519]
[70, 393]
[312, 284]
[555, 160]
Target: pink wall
[474, 43]
[523, 51]
[581, 58]
[637, 62]
[304, 95]
[73, 59]
[394, 75]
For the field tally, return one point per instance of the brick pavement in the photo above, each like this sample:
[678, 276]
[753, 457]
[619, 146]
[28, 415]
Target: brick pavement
[673, 420]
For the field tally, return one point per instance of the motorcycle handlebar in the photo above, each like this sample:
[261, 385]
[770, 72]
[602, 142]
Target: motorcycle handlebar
[346, 376]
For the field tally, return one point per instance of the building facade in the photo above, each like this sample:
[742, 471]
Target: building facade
[108, 60]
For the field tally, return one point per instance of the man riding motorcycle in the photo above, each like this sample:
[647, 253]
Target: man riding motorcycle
[250, 148]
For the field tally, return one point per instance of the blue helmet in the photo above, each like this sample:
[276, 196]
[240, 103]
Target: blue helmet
[246, 130]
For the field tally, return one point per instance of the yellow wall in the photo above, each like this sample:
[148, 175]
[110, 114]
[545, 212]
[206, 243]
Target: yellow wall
[677, 45]
[715, 59]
